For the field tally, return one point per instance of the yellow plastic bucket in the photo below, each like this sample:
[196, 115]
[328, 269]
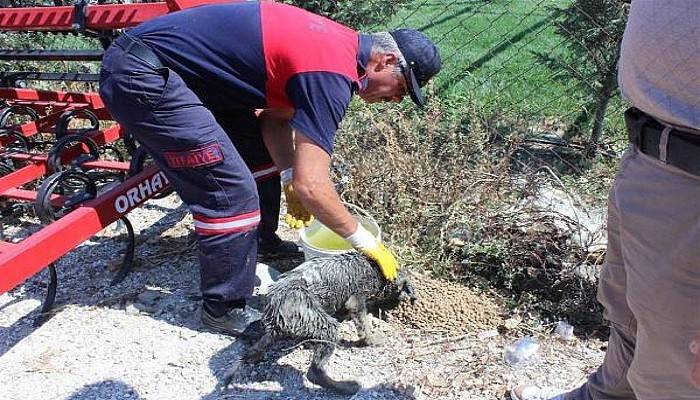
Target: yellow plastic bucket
[317, 240]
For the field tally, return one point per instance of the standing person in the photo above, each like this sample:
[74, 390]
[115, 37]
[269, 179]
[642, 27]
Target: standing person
[650, 283]
[162, 79]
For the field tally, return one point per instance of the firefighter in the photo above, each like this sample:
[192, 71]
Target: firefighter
[165, 81]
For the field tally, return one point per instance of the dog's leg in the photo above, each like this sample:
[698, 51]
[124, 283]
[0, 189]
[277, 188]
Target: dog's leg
[317, 372]
[357, 308]
[237, 364]
[257, 350]
[324, 344]
[253, 355]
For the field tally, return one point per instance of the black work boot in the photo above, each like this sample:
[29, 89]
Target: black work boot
[234, 322]
[274, 247]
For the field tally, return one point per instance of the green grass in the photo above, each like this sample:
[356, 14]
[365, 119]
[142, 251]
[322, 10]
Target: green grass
[489, 49]
[489, 54]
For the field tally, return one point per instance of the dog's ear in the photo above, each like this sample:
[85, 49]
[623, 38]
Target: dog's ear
[407, 291]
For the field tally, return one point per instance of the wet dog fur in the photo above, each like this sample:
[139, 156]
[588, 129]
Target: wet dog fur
[306, 303]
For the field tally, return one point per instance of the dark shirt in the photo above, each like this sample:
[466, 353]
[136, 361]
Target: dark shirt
[264, 55]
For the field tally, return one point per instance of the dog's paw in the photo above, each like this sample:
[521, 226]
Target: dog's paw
[253, 331]
[346, 387]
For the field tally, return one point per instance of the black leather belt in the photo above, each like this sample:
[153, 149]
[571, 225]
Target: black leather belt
[675, 146]
[139, 50]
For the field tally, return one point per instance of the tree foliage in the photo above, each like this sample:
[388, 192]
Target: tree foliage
[593, 31]
[356, 14]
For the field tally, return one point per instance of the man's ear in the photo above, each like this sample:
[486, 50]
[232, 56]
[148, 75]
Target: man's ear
[391, 60]
[387, 61]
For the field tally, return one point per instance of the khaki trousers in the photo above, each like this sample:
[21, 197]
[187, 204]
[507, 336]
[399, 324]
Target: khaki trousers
[650, 284]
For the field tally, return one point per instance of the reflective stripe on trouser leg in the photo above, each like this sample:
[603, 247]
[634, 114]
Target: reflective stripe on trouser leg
[267, 180]
[244, 129]
[201, 163]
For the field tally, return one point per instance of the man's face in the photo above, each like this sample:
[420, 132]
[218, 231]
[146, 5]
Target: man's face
[384, 80]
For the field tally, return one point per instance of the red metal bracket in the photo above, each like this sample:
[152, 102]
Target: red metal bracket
[91, 99]
[19, 261]
[98, 16]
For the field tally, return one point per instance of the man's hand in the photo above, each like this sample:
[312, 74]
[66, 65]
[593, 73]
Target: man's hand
[385, 259]
[297, 215]
[695, 373]
[368, 245]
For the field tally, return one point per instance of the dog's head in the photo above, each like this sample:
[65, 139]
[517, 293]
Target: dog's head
[398, 291]
[407, 292]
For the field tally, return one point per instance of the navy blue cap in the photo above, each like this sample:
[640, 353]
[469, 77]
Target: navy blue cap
[422, 61]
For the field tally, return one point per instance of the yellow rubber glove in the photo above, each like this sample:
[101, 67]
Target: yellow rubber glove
[297, 215]
[367, 244]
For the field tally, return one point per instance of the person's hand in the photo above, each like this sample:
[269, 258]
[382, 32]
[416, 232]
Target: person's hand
[367, 244]
[297, 215]
[385, 259]
[695, 373]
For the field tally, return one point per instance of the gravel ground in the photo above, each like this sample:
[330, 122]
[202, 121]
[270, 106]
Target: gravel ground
[141, 339]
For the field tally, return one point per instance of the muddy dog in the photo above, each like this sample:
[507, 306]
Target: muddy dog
[306, 304]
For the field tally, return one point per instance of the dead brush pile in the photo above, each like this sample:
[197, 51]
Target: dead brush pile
[452, 191]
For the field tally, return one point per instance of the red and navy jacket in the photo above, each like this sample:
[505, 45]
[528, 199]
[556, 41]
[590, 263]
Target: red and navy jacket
[264, 55]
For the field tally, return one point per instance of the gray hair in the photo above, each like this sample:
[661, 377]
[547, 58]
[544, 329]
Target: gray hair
[383, 42]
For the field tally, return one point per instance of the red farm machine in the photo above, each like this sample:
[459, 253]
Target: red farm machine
[63, 161]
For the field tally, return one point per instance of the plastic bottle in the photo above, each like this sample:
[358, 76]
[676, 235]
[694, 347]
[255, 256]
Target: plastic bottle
[521, 351]
[564, 331]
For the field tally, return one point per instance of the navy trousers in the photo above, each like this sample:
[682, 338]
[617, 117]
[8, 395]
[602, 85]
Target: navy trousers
[201, 162]
[244, 130]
